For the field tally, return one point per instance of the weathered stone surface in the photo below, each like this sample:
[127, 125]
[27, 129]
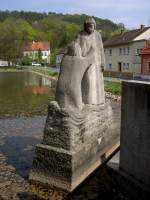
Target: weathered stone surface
[79, 133]
[81, 79]
[72, 145]
[71, 130]
[135, 131]
[46, 192]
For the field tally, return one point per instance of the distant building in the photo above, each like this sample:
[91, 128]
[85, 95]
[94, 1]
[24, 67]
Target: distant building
[145, 61]
[3, 63]
[32, 51]
[59, 55]
[122, 51]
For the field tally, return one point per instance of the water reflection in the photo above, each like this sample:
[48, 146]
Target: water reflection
[24, 94]
[39, 89]
[34, 80]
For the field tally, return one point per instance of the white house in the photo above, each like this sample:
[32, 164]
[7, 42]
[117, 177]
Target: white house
[32, 50]
[3, 63]
[122, 52]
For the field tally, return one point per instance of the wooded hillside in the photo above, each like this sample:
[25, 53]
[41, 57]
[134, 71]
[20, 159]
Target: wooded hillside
[19, 27]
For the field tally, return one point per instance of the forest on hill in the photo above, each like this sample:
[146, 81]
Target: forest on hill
[19, 27]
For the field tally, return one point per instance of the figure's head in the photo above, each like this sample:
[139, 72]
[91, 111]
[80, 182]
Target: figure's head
[89, 25]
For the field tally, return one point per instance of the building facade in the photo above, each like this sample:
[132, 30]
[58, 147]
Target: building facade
[145, 61]
[32, 50]
[122, 52]
[3, 63]
[59, 55]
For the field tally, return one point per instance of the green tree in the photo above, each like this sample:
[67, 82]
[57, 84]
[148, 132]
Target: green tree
[17, 28]
[39, 56]
[26, 60]
[13, 37]
[53, 57]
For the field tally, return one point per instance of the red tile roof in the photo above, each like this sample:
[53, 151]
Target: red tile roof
[35, 46]
[146, 49]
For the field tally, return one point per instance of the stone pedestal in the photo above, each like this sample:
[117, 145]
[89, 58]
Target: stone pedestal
[135, 131]
[73, 146]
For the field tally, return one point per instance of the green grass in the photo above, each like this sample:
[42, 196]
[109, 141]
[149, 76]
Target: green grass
[55, 74]
[10, 69]
[45, 72]
[113, 87]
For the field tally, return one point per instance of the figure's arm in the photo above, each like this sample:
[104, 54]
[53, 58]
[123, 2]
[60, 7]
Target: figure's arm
[102, 54]
[73, 48]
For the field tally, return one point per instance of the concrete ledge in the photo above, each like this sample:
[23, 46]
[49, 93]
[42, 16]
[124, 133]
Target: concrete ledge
[126, 183]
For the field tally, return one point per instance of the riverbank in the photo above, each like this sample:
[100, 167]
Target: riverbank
[12, 69]
[18, 138]
[112, 89]
[110, 86]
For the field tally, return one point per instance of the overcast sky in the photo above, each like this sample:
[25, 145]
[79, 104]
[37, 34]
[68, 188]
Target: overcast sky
[130, 12]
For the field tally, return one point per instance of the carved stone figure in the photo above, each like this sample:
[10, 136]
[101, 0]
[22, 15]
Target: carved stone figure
[79, 132]
[81, 78]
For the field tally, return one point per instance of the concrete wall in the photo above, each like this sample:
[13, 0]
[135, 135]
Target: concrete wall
[58, 60]
[135, 131]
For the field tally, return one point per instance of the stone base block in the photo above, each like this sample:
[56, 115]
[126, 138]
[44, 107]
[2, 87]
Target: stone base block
[74, 145]
[46, 192]
[55, 167]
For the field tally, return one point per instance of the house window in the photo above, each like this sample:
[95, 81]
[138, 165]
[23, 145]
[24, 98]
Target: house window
[128, 50]
[120, 51]
[124, 51]
[45, 53]
[26, 54]
[138, 51]
[149, 66]
[110, 65]
[110, 52]
[127, 66]
[124, 65]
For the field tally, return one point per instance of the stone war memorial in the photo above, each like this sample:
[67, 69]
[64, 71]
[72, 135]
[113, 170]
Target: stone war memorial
[79, 133]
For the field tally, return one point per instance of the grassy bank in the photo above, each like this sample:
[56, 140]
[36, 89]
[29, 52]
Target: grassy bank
[113, 87]
[45, 71]
[11, 69]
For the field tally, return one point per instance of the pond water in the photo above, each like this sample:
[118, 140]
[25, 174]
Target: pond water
[24, 94]
[24, 97]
